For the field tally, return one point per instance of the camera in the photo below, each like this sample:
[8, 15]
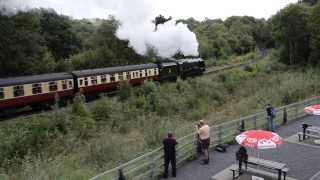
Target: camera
[198, 125]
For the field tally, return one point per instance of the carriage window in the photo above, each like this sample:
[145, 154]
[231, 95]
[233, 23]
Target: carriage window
[81, 82]
[94, 80]
[36, 89]
[18, 91]
[112, 78]
[64, 84]
[53, 86]
[120, 76]
[86, 81]
[103, 79]
[141, 73]
[70, 84]
[155, 71]
[137, 74]
[128, 76]
[1, 93]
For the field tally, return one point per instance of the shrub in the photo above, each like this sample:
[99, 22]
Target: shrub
[102, 110]
[78, 107]
[83, 126]
[125, 91]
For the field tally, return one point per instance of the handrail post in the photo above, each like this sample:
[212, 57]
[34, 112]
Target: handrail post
[284, 116]
[242, 125]
[219, 136]
[152, 167]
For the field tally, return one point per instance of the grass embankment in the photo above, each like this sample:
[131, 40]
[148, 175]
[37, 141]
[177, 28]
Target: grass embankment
[251, 56]
[81, 141]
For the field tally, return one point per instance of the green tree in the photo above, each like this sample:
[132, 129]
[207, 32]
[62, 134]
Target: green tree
[78, 107]
[106, 49]
[314, 26]
[311, 2]
[84, 30]
[56, 29]
[290, 30]
[22, 50]
[125, 91]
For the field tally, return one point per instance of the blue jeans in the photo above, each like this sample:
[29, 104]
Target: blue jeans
[270, 123]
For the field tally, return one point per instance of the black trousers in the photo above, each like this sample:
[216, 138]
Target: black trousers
[167, 161]
[240, 163]
[199, 147]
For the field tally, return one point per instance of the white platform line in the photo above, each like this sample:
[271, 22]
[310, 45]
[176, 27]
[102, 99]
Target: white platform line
[315, 177]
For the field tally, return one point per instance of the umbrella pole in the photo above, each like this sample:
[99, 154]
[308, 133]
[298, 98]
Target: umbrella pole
[258, 158]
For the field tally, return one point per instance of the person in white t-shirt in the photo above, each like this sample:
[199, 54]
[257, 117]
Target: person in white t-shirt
[204, 135]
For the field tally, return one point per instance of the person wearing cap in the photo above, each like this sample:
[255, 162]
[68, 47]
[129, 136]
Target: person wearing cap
[204, 135]
[169, 147]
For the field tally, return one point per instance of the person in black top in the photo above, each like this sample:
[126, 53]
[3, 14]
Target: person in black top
[121, 175]
[169, 147]
[242, 156]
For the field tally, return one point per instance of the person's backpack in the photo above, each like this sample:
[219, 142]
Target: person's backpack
[273, 112]
[221, 148]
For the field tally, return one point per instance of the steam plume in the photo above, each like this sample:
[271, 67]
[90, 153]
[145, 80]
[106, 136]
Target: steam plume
[136, 26]
[135, 17]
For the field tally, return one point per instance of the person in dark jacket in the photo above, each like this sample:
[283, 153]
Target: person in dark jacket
[121, 175]
[270, 117]
[169, 147]
[242, 156]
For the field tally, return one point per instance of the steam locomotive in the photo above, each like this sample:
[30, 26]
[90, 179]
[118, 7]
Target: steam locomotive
[21, 91]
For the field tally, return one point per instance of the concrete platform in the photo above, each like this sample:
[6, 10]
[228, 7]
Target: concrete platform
[310, 142]
[302, 158]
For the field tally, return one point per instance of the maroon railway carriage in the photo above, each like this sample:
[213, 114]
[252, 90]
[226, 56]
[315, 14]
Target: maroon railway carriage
[108, 79]
[33, 90]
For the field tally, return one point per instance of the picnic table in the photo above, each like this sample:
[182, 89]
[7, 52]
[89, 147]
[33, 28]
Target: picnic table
[309, 131]
[280, 167]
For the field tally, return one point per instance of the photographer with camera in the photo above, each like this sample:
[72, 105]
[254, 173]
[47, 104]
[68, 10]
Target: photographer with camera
[198, 141]
[203, 130]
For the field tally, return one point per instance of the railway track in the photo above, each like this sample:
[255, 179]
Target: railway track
[28, 111]
[226, 67]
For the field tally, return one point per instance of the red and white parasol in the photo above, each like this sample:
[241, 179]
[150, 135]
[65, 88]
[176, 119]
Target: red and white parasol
[313, 110]
[259, 139]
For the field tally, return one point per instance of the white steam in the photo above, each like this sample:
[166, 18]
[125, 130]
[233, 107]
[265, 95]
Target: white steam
[136, 22]
[137, 27]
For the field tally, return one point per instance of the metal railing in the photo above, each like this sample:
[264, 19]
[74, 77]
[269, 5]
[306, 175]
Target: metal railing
[150, 165]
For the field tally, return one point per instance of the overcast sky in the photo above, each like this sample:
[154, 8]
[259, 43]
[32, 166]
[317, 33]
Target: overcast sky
[199, 9]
